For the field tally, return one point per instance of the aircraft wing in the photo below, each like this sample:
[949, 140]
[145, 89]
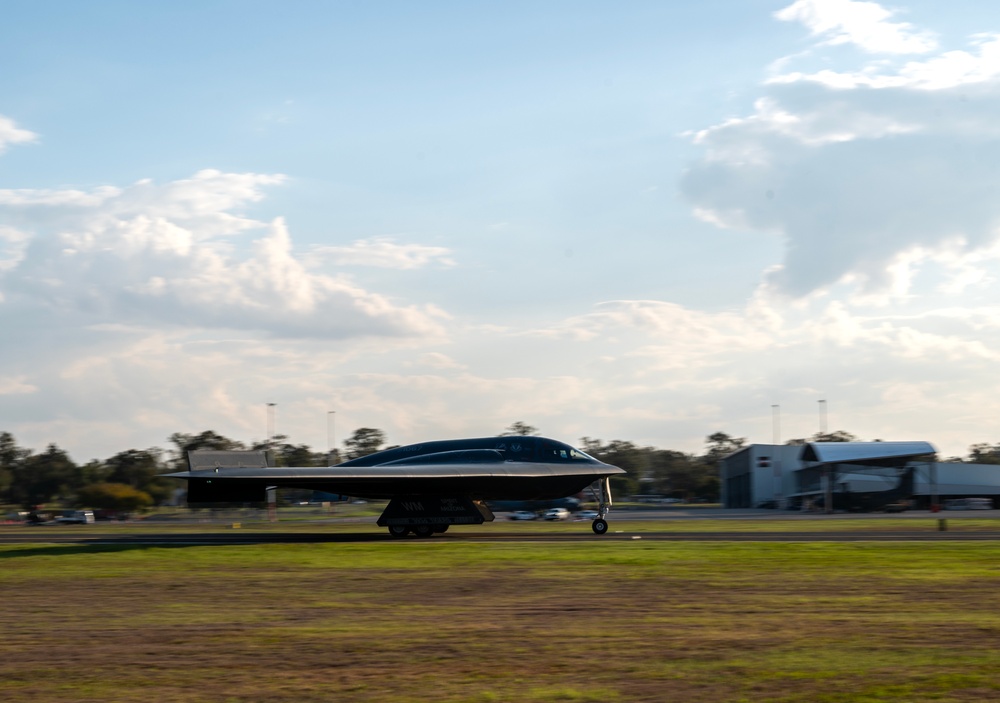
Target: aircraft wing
[429, 486]
[477, 477]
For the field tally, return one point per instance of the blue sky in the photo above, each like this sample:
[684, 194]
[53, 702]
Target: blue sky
[647, 222]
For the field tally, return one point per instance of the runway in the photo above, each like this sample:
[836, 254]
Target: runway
[237, 537]
[695, 525]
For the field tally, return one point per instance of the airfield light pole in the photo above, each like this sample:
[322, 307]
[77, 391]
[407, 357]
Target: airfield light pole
[331, 417]
[822, 417]
[776, 463]
[270, 423]
[272, 493]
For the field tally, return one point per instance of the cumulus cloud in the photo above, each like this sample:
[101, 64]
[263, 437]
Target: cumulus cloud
[179, 254]
[864, 24]
[10, 133]
[384, 252]
[950, 69]
[865, 174]
[15, 385]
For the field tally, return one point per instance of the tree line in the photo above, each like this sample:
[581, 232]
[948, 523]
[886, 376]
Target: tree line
[132, 480]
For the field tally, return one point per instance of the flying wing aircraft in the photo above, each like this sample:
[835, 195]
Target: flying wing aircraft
[430, 486]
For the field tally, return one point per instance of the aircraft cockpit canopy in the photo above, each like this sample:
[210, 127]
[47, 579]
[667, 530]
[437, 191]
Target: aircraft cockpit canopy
[549, 450]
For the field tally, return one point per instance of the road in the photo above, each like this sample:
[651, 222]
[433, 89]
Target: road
[924, 529]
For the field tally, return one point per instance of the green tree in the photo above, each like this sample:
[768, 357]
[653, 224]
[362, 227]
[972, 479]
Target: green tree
[113, 496]
[40, 478]
[983, 453]
[835, 436]
[364, 441]
[674, 474]
[624, 455]
[298, 455]
[140, 469]
[702, 480]
[94, 471]
[208, 439]
[519, 429]
[719, 445]
[11, 457]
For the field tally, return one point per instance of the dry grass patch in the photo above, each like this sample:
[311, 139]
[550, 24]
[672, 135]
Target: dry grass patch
[454, 622]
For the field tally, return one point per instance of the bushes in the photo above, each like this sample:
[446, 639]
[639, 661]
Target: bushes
[114, 496]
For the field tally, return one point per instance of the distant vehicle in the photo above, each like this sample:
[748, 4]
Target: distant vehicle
[899, 506]
[571, 503]
[586, 515]
[969, 504]
[104, 514]
[76, 517]
[556, 514]
[523, 515]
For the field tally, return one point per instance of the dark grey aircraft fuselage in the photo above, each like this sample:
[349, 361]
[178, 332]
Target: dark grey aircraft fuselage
[489, 468]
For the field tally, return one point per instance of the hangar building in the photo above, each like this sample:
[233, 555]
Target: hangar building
[783, 476]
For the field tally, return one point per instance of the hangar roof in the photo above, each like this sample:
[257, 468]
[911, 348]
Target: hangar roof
[871, 453]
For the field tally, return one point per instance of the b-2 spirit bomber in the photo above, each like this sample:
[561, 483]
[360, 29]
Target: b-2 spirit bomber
[429, 486]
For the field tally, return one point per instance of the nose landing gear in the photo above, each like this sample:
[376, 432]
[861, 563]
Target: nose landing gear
[603, 496]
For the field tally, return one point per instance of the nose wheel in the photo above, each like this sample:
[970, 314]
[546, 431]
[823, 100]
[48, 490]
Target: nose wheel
[602, 492]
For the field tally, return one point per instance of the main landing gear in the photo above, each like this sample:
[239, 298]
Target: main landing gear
[426, 516]
[400, 531]
[603, 496]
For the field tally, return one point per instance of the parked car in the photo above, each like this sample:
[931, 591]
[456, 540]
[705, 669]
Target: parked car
[522, 515]
[968, 504]
[76, 517]
[556, 514]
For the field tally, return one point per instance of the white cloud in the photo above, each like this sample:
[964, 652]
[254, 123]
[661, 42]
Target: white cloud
[170, 254]
[950, 69]
[10, 133]
[864, 24]
[868, 176]
[13, 244]
[15, 385]
[437, 360]
[384, 252]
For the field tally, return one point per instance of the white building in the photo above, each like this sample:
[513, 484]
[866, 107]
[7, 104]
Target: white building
[784, 476]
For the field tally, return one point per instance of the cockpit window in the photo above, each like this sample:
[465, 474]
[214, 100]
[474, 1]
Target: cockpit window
[553, 451]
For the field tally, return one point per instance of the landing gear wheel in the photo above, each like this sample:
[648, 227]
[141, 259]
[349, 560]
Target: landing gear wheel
[600, 526]
[399, 531]
[423, 530]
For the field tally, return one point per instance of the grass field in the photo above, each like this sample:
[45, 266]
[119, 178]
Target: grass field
[457, 621]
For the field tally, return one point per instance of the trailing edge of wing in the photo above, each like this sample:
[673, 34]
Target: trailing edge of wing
[397, 470]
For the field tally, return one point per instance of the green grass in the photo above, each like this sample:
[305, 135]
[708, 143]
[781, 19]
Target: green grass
[460, 621]
[360, 519]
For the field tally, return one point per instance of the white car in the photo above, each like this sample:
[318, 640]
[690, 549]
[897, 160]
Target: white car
[556, 514]
[76, 517]
[586, 515]
[522, 515]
